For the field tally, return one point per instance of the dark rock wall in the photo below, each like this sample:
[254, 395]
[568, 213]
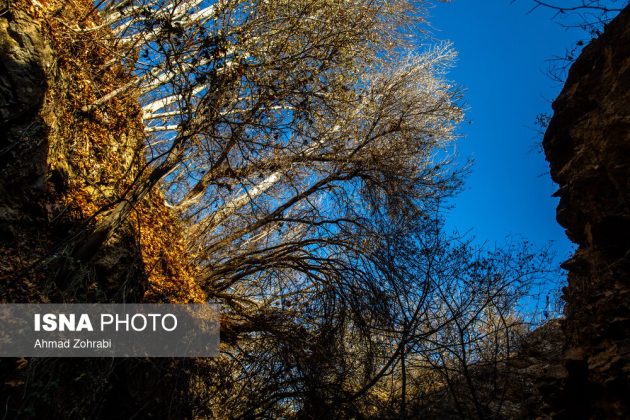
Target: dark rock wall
[587, 145]
[37, 218]
[25, 57]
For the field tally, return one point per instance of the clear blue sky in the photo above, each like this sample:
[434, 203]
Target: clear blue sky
[502, 68]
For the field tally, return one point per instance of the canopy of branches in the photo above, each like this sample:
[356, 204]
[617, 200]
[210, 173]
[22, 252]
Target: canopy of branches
[306, 145]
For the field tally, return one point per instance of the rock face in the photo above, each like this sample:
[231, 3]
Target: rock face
[25, 57]
[587, 145]
[58, 167]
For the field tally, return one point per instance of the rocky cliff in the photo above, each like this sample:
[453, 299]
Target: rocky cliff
[587, 145]
[61, 169]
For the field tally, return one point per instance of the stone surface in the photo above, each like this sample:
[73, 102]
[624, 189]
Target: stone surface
[26, 57]
[587, 145]
[40, 213]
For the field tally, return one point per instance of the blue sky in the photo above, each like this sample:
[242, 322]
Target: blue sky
[502, 65]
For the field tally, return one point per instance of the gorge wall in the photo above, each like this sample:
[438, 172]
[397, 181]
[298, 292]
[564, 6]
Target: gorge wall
[587, 144]
[60, 170]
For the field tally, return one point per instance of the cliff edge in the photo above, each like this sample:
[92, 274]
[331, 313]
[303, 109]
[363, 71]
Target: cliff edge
[587, 145]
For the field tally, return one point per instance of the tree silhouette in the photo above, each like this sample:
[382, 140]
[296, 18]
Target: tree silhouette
[305, 149]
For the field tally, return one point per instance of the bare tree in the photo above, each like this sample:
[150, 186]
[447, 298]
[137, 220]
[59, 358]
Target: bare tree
[306, 147]
[248, 104]
[591, 12]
